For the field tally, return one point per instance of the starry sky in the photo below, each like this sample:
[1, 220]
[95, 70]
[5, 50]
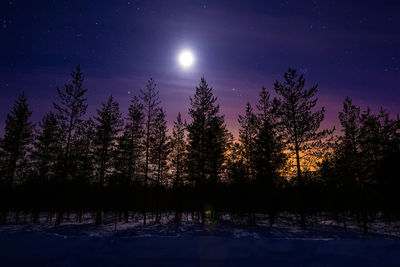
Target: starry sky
[349, 49]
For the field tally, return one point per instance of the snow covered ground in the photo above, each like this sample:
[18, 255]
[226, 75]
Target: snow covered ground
[192, 244]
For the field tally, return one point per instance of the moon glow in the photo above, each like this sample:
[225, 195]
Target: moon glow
[186, 59]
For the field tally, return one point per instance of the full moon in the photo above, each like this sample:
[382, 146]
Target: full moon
[186, 58]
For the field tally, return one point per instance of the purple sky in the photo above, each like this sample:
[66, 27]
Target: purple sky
[349, 49]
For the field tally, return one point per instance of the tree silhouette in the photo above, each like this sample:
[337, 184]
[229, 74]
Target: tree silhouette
[378, 136]
[178, 151]
[298, 123]
[83, 151]
[131, 142]
[159, 148]
[108, 125]
[235, 166]
[47, 147]
[349, 148]
[17, 140]
[247, 136]
[270, 158]
[150, 100]
[207, 136]
[70, 110]
[199, 168]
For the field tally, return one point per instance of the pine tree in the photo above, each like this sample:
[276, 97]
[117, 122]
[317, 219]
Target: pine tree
[269, 159]
[159, 147]
[350, 119]
[236, 168]
[377, 133]
[151, 101]
[108, 125]
[207, 136]
[47, 147]
[70, 110]
[178, 151]
[299, 124]
[347, 152]
[360, 152]
[388, 175]
[389, 131]
[83, 148]
[247, 136]
[17, 140]
[131, 142]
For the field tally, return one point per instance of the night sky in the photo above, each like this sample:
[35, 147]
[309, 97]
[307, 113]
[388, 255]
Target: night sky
[349, 49]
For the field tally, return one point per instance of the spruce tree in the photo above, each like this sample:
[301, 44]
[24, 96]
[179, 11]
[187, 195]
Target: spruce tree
[47, 147]
[131, 142]
[377, 133]
[83, 152]
[17, 140]
[347, 152]
[207, 136]
[269, 159]
[159, 148]
[108, 125]
[367, 141]
[350, 120]
[178, 151]
[247, 136]
[388, 175]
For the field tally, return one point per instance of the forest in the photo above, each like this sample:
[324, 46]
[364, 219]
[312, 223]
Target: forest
[282, 161]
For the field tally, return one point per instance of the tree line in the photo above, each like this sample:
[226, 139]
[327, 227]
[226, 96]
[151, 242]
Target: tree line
[282, 160]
